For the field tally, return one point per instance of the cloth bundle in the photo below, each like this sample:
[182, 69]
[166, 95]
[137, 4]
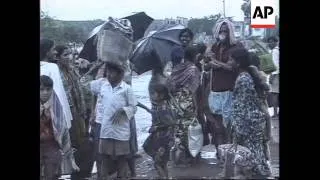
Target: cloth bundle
[115, 42]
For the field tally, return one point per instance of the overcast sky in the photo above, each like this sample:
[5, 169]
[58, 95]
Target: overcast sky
[158, 9]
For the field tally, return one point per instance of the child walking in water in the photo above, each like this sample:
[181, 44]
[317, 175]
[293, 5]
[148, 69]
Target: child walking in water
[161, 137]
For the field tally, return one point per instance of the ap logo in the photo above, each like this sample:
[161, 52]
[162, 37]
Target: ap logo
[263, 14]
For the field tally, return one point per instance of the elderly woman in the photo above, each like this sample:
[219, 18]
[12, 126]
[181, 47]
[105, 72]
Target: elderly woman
[183, 84]
[250, 119]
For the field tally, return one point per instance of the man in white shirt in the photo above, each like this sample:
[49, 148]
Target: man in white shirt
[119, 106]
[274, 78]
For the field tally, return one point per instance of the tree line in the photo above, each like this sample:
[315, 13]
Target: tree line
[66, 31]
[77, 31]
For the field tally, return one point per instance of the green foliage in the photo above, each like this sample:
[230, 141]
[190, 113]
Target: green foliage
[205, 24]
[66, 31]
[246, 8]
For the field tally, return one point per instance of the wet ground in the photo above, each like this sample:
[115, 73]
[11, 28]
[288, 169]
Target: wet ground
[206, 168]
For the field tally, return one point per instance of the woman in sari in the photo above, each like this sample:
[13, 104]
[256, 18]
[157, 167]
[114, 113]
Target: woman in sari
[71, 83]
[251, 125]
[183, 84]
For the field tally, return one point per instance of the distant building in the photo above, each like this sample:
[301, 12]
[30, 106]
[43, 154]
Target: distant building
[239, 29]
[158, 24]
[179, 20]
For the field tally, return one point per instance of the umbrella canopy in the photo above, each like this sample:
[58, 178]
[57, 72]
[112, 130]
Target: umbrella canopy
[155, 50]
[139, 22]
[89, 50]
[96, 30]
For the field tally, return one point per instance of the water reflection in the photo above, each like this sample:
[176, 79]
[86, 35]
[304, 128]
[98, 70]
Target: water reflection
[143, 118]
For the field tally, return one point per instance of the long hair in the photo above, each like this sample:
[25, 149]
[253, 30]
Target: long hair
[45, 46]
[60, 49]
[243, 58]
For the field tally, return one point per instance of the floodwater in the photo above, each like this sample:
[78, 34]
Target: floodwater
[143, 118]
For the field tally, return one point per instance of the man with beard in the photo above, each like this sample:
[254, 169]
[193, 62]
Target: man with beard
[223, 73]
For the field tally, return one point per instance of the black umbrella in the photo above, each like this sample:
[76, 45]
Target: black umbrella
[155, 49]
[139, 22]
[89, 50]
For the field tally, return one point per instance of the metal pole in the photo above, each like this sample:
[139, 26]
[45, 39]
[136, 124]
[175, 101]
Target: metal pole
[224, 8]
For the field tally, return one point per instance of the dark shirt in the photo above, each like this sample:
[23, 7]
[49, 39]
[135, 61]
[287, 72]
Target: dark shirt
[223, 80]
[177, 55]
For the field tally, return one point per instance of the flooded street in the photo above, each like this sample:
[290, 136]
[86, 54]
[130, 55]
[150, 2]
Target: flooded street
[208, 165]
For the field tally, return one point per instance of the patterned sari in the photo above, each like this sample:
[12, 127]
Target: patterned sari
[183, 84]
[72, 86]
[250, 122]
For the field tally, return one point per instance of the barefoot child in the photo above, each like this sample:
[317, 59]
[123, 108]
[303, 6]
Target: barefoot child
[119, 106]
[55, 142]
[161, 137]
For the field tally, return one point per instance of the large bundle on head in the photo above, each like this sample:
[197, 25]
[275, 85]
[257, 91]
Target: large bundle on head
[115, 42]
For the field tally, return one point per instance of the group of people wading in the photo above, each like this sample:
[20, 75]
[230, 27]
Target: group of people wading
[89, 117]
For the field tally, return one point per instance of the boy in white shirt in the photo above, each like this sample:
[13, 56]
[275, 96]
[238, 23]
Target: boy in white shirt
[119, 106]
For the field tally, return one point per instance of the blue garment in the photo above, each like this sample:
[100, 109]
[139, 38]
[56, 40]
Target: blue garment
[221, 103]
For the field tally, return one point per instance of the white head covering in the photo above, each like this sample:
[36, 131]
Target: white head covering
[217, 27]
[52, 70]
